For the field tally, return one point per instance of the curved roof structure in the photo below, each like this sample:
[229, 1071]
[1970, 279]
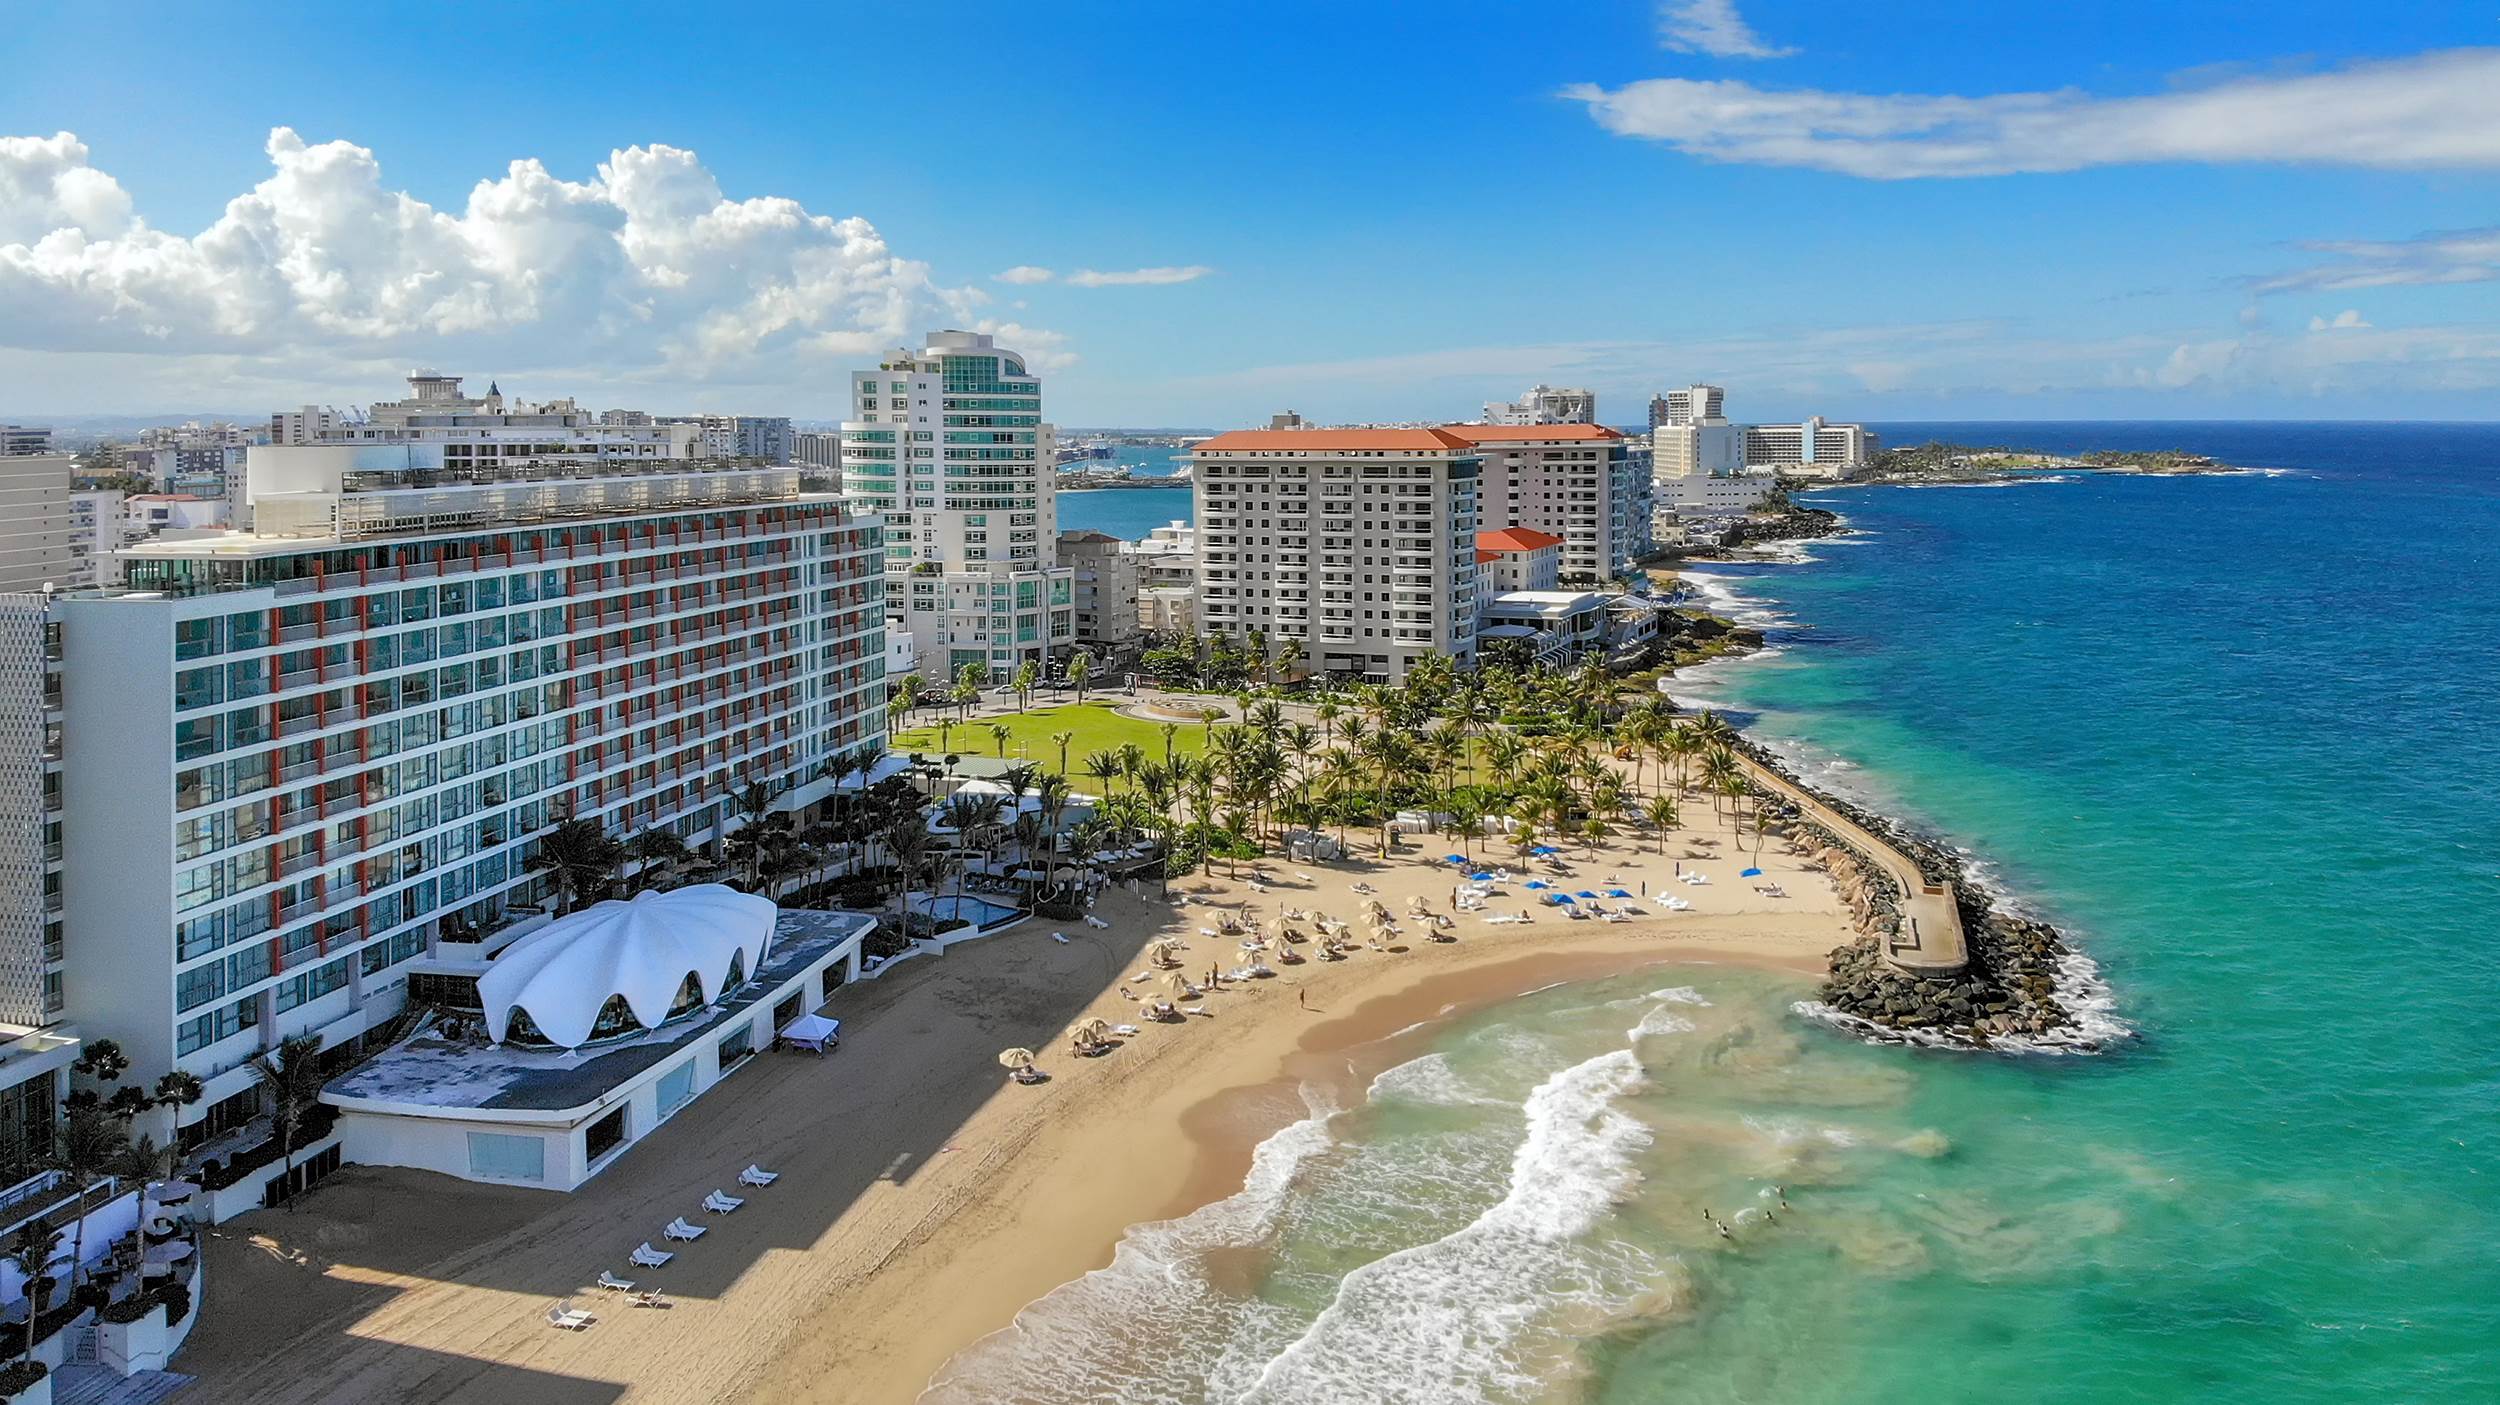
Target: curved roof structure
[642, 949]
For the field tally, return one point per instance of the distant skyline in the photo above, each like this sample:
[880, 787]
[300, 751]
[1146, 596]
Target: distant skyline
[1948, 211]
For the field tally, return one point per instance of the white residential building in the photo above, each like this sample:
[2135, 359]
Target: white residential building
[95, 533]
[1545, 404]
[820, 451]
[308, 424]
[1358, 545]
[949, 442]
[20, 439]
[1813, 449]
[766, 437]
[1693, 404]
[1167, 579]
[1576, 481]
[295, 760]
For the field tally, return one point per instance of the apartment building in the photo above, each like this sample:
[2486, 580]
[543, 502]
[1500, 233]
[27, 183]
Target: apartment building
[1356, 544]
[294, 760]
[1107, 580]
[1692, 404]
[34, 521]
[21, 439]
[1575, 481]
[766, 437]
[1545, 404]
[949, 444]
[820, 451]
[1167, 579]
[307, 424]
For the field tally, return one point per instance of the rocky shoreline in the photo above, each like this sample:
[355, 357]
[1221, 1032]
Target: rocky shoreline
[2010, 994]
[2025, 986]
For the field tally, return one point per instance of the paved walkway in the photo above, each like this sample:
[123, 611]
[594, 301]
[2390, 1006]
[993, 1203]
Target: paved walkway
[1931, 942]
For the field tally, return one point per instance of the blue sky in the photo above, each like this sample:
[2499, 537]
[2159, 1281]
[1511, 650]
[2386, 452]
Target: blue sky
[1886, 212]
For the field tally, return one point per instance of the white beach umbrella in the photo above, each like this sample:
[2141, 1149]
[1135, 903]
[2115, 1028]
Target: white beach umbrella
[1015, 1058]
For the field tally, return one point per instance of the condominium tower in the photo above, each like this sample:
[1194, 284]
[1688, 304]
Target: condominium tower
[294, 760]
[1545, 404]
[1357, 547]
[948, 442]
[1576, 481]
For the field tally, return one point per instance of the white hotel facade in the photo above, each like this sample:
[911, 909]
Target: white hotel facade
[949, 445]
[290, 761]
[1359, 545]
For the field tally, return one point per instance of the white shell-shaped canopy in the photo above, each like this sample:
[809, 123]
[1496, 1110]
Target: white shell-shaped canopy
[642, 949]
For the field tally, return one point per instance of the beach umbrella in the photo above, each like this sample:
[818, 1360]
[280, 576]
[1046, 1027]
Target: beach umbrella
[1586, 893]
[1539, 883]
[1095, 1030]
[1458, 859]
[1565, 899]
[1618, 892]
[1015, 1058]
[1179, 985]
[1485, 877]
[1542, 850]
[1751, 873]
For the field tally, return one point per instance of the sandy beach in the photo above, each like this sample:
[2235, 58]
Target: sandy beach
[924, 1199]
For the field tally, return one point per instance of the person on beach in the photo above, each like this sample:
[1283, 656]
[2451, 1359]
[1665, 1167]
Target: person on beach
[1125, 996]
[1304, 997]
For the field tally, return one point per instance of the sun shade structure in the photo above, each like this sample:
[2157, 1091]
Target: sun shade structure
[644, 952]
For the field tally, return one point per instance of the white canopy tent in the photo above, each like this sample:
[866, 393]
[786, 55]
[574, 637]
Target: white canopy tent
[642, 949]
[815, 1033]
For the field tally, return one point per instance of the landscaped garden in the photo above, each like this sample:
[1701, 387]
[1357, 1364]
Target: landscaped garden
[1034, 736]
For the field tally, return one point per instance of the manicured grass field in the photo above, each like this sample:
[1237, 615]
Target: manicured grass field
[1096, 726]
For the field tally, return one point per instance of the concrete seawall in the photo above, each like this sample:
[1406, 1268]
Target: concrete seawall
[1930, 941]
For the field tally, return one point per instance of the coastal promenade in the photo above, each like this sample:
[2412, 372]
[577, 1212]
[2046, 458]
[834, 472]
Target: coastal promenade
[1930, 942]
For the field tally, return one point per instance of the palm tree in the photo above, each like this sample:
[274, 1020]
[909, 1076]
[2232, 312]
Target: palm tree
[1171, 734]
[579, 857]
[657, 854]
[292, 1074]
[1028, 675]
[907, 693]
[1000, 735]
[31, 1251]
[1062, 739]
[1080, 670]
[1103, 766]
[88, 1144]
[1662, 816]
[907, 839]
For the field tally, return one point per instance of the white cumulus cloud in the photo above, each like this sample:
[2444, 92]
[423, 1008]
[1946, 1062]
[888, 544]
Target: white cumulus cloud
[2433, 110]
[1023, 273]
[1089, 278]
[1712, 27]
[646, 269]
[2349, 319]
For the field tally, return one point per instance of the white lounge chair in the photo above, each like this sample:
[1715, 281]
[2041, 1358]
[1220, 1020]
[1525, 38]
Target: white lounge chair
[569, 1317]
[678, 1229]
[1059, 937]
[648, 1257]
[652, 1298]
[757, 1175]
[615, 1284]
[721, 1204]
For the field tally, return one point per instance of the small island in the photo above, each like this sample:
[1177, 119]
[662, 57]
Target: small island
[1938, 462]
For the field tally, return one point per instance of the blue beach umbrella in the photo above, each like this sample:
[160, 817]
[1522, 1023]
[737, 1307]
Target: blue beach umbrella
[1617, 893]
[1542, 850]
[1480, 877]
[1562, 898]
[1751, 873]
[1456, 860]
[1539, 883]
[1586, 893]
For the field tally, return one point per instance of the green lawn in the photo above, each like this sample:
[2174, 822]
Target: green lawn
[1096, 726]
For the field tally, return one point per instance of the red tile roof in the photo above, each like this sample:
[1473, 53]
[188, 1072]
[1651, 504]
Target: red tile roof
[1530, 433]
[1516, 539]
[1329, 441]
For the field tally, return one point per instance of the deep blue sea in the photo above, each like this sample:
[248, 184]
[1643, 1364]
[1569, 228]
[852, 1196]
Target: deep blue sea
[1129, 513]
[2240, 736]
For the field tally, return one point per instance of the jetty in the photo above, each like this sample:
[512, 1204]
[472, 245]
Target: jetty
[1928, 940]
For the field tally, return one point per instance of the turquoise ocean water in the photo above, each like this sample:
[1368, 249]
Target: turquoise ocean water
[2240, 736]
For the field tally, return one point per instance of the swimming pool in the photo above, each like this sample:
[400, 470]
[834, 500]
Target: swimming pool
[978, 912]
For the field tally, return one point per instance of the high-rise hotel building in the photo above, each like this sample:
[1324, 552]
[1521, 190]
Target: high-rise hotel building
[1576, 481]
[949, 444]
[289, 761]
[1358, 545]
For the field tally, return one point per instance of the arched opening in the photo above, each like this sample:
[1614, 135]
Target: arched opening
[689, 996]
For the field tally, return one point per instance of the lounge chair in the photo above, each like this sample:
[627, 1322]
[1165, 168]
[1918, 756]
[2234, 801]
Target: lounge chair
[615, 1284]
[652, 1298]
[757, 1175]
[679, 1230]
[569, 1317]
[721, 1204]
[648, 1257]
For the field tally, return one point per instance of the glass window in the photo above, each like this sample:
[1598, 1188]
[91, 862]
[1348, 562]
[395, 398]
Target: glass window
[504, 1157]
[676, 1087]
